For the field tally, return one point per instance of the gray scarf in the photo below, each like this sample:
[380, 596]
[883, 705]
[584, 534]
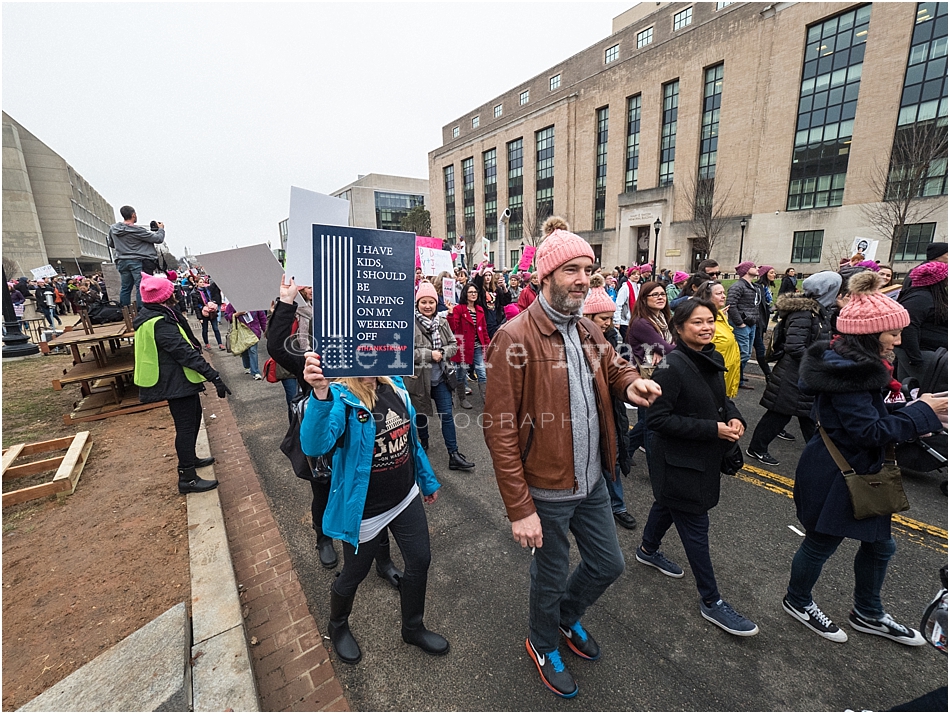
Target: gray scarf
[431, 325]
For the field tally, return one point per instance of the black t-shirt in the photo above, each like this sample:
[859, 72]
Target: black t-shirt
[393, 472]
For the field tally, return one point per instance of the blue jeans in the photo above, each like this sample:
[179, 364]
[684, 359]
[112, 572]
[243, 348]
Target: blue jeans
[478, 362]
[870, 567]
[615, 489]
[744, 337]
[443, 405]
[249, 357]
[693, 529]
[130, 272]
[213, 321]
[557, 595]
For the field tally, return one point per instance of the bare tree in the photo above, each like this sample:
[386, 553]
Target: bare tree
[709, 211]
[11, 267]
[533, 222]
[917, 161]
[838, 248]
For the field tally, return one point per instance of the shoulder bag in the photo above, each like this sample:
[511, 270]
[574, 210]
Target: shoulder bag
[305, 467]
[243, 338]
[880, 494]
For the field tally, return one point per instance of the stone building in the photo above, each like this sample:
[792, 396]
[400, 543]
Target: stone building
[51, 215]
[760, 129]
[381, 201]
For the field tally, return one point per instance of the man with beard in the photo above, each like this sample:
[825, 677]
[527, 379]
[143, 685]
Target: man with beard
[549, 426]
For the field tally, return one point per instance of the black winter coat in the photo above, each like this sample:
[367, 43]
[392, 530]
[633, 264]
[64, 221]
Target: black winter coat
[621, 420]
[805, 322]
[743, 301]
[685, 448]
[174, 353]
[279, 328]
[923, 334]
[789, 285]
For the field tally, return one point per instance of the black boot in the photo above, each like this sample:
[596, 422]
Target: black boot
[457, 462]
[414, 632]
[328, 557]
[385, 568]
[201, 463]
[188, 482]
[344, 644]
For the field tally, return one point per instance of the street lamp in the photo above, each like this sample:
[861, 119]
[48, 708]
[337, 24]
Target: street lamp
[59, 267]
[657, 225]
[742, 224]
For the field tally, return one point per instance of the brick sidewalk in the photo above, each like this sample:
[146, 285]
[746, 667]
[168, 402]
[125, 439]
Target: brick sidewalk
[291, 665]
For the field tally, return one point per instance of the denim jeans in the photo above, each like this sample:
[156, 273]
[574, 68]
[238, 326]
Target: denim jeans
[130, 272]
[870, 567]
[744, 337]
[478, 362]
[249, 359]
[615, 489]
[213, 321]
[443, 406]
[693, 529]
[558, 595]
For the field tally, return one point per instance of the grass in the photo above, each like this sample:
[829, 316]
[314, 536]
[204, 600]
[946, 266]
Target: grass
[32, 410]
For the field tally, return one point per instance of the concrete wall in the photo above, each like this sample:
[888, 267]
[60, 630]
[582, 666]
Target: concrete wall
[22, 234]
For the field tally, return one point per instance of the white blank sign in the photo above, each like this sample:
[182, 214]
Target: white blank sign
[249, 277]
[306, 209]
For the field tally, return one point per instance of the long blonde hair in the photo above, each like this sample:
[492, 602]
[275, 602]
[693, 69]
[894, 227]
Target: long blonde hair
[364, 391]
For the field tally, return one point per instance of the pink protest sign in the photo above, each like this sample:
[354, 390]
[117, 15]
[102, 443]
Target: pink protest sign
[527, 257]
[426, 242]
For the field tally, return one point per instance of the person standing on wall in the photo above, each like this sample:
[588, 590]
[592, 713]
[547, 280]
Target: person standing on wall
[134, 252]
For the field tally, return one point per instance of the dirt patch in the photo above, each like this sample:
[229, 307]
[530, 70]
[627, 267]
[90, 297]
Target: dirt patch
[81, 573]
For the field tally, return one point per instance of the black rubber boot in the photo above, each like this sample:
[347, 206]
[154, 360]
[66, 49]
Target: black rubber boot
[457, 462]
[201, 463]
[188, 482]
[328, 557]
[463, 400]
[414, 632]
[344, 644]
[764, 366]
[385, 568]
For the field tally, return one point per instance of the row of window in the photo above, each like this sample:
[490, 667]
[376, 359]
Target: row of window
[912, 246]
[523, 98]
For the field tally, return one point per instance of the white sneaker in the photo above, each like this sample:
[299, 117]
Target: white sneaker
[247, 370]
[258, 377]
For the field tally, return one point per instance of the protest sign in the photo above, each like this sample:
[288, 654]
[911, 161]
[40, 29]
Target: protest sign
[448, 291]
[363, 322]
[486, 248]
[526, 257]
[307, 208]
[249, 277]
[865, 246]
[434, 261]
[110, 276]
[426, 242]
[44, 271]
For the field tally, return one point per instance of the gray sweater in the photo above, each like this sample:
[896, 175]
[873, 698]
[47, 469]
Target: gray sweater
[134, 242]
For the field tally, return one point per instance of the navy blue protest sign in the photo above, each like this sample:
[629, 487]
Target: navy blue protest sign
[363, 321]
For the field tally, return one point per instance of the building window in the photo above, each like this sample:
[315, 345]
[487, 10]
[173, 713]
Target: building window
[523, 97]
[600, 170]
[455, 132]
[721, 5]
[449, 175]
[490, 164]
[514, 256]
[709, 138]
[633, 143]
[611, 53]
[391, 208]
[644, 38]
[831, 78]
[516, 188]
[671, 99]
[474, 122]
[682, 19]
[468, 198]
[806, 247]
[497, 110]
[555, 82]
[544, 185]
[913, 245]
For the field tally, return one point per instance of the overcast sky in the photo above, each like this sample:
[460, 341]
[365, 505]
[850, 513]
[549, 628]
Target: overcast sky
[203, 115]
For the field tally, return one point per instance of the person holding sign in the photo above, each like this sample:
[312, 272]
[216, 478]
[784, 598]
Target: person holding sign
[380, 478]
[434, 376]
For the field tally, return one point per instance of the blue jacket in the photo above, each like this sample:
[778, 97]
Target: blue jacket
[322, 425]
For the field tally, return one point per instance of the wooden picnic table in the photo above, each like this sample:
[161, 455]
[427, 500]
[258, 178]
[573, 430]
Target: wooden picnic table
[111, 332]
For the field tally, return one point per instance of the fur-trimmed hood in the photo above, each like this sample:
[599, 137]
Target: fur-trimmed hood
[823, 370]
[796, 302]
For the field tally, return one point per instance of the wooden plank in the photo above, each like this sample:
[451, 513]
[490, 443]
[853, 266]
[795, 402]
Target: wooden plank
[74, 462]
[41, 447]
[10, 455]
[28, 494]
[79, 417]
[36, 467]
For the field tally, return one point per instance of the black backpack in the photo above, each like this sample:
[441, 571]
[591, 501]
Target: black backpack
[103, 312]
[309, 469]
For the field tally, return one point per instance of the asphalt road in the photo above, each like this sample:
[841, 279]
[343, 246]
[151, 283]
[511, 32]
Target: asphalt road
[658, 653]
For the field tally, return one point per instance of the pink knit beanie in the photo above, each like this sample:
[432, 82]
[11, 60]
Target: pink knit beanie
[426, 289]
[598, 300]
[511, 311]
[559, 247]
[744, 267]
[928, 274]
[646, 269]
[679, 276]
[870, 312]
[155, 288]
[869, 265]
[764, 269]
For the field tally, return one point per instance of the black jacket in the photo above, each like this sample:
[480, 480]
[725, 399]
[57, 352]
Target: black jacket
[685, 448]
[923, 334]
[789, 285]
[805, 322]
[197, 303]
[621, 420]
[279, 331]
[174, 353]
[743, 301]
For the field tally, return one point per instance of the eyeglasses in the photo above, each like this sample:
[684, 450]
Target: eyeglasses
[715, 274]
[656, 295]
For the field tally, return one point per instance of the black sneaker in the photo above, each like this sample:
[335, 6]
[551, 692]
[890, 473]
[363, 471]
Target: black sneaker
[553, 673]
[722, 614]
[580, 642]
[660, 562]
[765, 457]
[887, 627]
[626, 520]
[814, 619]
[785, 436]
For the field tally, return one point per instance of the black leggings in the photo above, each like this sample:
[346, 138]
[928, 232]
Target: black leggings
[771, 424]
[411, 532]
[186, 413]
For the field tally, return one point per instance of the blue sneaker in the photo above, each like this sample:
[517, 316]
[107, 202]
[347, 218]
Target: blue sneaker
[660, 562]
[580, 642]
[720, 613]
[553, 673]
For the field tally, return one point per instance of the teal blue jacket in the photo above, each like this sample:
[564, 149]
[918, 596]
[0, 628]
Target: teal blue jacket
[323, 424]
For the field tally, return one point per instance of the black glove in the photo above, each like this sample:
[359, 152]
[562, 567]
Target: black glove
[221, 387]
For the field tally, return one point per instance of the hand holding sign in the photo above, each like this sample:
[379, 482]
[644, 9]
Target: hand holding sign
[313, 375]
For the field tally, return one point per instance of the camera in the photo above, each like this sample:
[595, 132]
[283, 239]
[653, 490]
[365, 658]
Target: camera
[153, 225]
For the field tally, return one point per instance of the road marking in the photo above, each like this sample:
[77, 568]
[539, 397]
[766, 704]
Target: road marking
[918, 532]
[795, 530]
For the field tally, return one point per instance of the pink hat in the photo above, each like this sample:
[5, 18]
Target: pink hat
[928, 274]
[511, 311]
[679, 276]
[646, 268]
[744, 267]
[764, 269]
[870, 312]
[426, 289]
[155, 288]
[633, 269]
[559, 247]
[869, 265]
[598, 301]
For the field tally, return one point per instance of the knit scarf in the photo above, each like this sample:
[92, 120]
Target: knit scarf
[431, 325]
[659, 321]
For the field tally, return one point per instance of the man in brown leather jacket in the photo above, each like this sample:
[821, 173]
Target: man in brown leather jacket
[549, 426]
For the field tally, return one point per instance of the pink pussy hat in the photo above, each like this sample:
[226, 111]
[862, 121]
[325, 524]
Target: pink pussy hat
[155, 289]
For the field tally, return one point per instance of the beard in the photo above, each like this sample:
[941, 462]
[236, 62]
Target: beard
[562, 301]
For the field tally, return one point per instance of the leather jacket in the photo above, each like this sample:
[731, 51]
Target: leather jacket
[527, 417]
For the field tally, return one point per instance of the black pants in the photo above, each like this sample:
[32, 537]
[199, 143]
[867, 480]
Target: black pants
[321, 496]
[693, 529]
[186, 413]
[771, 424]
[411, 532]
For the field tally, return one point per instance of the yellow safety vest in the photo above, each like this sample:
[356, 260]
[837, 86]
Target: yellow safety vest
[146, 356]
